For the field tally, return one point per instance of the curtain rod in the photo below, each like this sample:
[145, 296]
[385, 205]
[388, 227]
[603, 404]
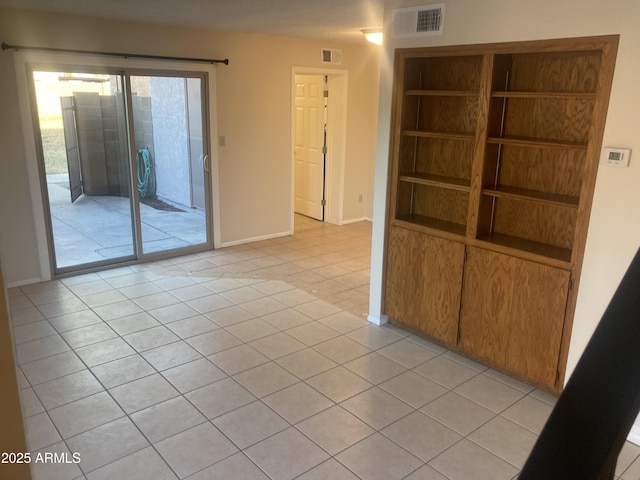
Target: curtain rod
[6, 46]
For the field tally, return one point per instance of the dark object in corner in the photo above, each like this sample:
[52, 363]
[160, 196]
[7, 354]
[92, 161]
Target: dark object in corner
[592, 419]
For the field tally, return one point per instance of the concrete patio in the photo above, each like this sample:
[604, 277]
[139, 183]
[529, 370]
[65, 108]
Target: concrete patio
[95, 228]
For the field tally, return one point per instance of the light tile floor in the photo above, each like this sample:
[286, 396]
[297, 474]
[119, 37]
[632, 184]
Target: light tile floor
[257, 362]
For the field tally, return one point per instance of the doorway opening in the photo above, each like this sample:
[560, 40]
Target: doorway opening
[318, 122]
[123, 164]
[310, 144]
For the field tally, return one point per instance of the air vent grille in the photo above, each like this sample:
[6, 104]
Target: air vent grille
[331, 56]
[418, 21]
[429, 20]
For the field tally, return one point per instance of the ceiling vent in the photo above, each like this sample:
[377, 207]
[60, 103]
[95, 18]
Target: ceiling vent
[333, 57]
[418, 21]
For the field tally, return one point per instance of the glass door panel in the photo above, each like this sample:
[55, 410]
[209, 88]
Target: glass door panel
[171, 161]
[82, 122]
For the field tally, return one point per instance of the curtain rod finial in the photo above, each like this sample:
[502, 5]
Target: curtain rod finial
[6, 46]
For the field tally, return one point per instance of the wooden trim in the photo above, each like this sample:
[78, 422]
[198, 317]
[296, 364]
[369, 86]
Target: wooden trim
[437, 181]
[393, 166]
[527, 250]
[533, 196]
[432, 226]
[543, 95]
[605, 81]
[536, 142]
[473, 215]
[575, 44]
[447, 135]
[442, 93]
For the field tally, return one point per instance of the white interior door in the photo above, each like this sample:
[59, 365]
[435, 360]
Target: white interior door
[309, 145]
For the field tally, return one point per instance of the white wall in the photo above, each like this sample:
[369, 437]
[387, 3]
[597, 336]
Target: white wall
[253, 113]
[18, 242]
[614, 232]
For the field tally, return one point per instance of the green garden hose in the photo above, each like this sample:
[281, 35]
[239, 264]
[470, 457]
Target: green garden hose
[146, 174]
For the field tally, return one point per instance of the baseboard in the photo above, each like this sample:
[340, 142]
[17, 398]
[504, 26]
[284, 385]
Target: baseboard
[22, 283]
[381, 320]
[634, 434]
[356, 220]
[254, 239]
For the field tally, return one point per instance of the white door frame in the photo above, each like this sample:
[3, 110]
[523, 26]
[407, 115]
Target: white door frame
[336, 141]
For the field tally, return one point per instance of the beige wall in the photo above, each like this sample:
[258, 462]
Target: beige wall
[17, 231]
[253, 113]
[614, 232]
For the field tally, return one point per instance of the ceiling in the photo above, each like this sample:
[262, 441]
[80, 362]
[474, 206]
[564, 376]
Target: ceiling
[336, 20]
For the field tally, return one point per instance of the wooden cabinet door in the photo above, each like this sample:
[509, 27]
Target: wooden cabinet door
[537, 321]
[423, 283]
[512, 313]
[486, 305]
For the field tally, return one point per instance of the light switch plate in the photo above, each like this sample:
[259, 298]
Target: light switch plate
[616, 157]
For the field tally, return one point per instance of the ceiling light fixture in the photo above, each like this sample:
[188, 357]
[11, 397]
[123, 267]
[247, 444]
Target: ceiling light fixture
[373, 35]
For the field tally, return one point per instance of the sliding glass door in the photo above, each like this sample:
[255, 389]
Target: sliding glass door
[171, 163]
[124, 165]
[82, 120]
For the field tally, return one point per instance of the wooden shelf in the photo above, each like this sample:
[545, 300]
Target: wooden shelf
[559, 95]
[442, 93]
[537, 248]
[490, 182]
[447, 135]
[533, 196]
[432, 223]
[537, 143]
[437, 181]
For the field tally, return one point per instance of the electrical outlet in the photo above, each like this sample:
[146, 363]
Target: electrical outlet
[222, 141]
[360, 198]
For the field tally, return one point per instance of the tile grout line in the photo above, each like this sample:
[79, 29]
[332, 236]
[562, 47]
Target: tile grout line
[274, 360]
